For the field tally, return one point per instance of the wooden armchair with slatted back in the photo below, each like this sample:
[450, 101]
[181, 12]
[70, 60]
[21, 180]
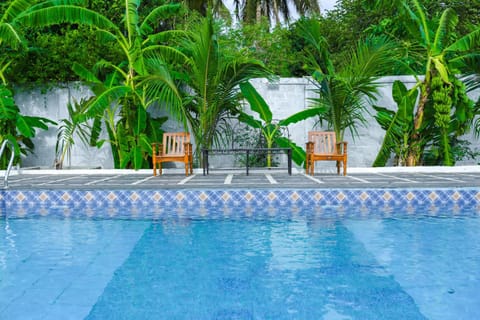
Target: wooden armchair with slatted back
[323, 146]
[176, 147]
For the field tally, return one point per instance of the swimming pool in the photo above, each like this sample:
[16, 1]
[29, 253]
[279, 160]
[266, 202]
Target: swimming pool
[295, 261]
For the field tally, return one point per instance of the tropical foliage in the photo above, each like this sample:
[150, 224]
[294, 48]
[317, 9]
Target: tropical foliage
[212, 78]
[73, 128]
[270, 128]
[397, 124]
[17, 128]
[443, 112]
[129, 88]
[274, 47]
[343, 93]
[252, 11]
[138, 66]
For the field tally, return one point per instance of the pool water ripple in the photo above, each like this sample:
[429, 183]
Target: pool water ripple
[291, 266]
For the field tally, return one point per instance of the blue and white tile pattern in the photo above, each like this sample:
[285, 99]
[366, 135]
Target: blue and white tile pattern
[151, 203]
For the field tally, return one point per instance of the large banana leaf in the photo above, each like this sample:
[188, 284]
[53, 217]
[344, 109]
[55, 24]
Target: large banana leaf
[41, 17]
[465, 43]
[15, 8]
[250, 120]
[26, 125]
[302, 115]
[298, 154]
[397, 125]
[256, 101]
[10, 35]
[446, 25]
[141, 121]
[159, 13]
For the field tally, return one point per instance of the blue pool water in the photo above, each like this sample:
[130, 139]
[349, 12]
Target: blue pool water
[421, 265]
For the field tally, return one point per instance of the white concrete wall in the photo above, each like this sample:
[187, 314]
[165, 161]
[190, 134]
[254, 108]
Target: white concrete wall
[52, 104]
[285, 97]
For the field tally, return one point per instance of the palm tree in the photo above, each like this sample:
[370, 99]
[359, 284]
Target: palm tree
[251, 11]
[343, 94]
[203, 7]
[443, 111]
[142, 80]
[213, 76]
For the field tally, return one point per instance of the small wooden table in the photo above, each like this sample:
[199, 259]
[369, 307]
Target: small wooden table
[247, 152]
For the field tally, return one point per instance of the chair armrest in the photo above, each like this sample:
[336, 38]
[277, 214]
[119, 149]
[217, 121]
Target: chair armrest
[188, 148]
[157, 149]
[342, 147]
[309, 147]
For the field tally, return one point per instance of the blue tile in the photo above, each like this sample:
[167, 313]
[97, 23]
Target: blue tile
[105, 203]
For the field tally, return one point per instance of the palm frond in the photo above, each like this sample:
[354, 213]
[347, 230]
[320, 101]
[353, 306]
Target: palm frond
[372, 57]
[161, 88]
[302, 115]
[103, 101]
[318, 58]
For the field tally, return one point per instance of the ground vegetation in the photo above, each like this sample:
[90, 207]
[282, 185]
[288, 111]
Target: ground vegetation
[189, 59]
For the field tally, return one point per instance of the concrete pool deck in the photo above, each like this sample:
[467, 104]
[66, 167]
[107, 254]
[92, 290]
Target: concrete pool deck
[357, 178]
[128, 194]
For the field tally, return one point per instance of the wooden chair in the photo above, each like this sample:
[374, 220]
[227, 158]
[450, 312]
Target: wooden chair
[322, 146]
[176, 147]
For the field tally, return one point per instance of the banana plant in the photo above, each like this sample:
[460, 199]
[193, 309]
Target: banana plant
[443, 57]
[17, 128]
[14, 126]
[11, 33]
[398, 125]
[269, 128]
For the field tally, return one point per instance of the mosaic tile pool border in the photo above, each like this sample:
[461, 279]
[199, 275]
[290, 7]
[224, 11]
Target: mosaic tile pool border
[136, 202]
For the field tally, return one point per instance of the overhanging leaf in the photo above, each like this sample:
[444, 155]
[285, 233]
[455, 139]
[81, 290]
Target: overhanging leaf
[250, 120]
[257, 103]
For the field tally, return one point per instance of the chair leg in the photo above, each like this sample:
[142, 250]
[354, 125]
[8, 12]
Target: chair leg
[186, 169]
[345, 167]
[312, 167]
[338, 167]
[160, 168]
[154, 168]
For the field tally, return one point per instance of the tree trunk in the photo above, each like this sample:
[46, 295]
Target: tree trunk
[415, 149]
[259, 12]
